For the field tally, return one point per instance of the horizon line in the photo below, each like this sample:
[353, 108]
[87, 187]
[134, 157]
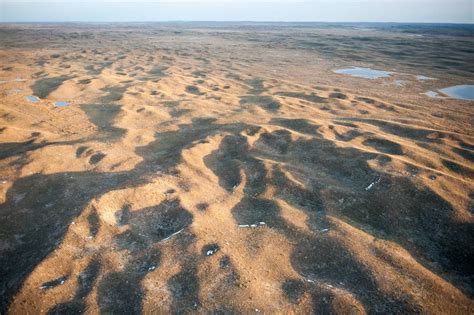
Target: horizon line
[237, 21]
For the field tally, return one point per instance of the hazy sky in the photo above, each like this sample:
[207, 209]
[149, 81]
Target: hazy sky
[457, 11]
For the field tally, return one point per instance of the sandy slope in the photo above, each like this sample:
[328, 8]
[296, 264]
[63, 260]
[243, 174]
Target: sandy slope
[132, 198]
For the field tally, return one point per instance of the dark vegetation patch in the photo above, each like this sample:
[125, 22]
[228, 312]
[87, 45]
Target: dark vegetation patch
[417, 134]
[226, 162]
[256, 86]
[278, 141]
[121, 292]
[171, 104]
[254, 210]
[412, 169]
[466, 145]
[337, 266]
[383, 159]
[103, 117]
[199, 74]
[43, 87]
[96, 158]
[252, 130]
[365, 99]
[94, 222]
[233, 154]
[345, 124]
[80, 151]
[266, 102]
[202, 206]
[10, 149]
[298, 125]
[193, 90]
[151, 225]
[224, 262]
[178, 112]
[84, 81]
[338, 95]
[384, 145]
[115, 93]
[467, 154]
[39, 74]
[293, 289]
[184, 288]
[41, 62]
[97, 68]
[170, 191]
[158, 71]
[122, 215]
[85, 284]
[458, 168]
[314, 98]
[421, 222]
[304, 198]
[349, 135]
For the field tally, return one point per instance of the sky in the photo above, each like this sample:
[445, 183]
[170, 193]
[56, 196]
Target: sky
[427, 11]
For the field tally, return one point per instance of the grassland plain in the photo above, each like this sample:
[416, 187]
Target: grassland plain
[221, 168]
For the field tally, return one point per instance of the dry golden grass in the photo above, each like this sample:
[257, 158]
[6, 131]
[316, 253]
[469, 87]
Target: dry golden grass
[172, 140]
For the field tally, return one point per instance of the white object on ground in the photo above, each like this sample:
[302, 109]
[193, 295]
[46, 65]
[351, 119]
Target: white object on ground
[165, 239]
[372, 184]
[255, 225]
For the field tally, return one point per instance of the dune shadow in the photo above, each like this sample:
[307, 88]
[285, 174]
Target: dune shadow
[313, 97]
[459, 169]
[114, 93]
[43, 87]
[420, 220]
[256, 86]
[39, 208]
[184, 288]
[103, 117]
[342, 183]
[10, 149]
[328, 261]
[36, 215]
[193, 90]
[232, 156]
[86, 281]
[266, 102]
[412, 133]
[384, 145]
[121, 292]
[151, 225]
[298, 125]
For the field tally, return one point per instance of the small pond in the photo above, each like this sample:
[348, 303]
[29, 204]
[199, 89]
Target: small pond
[462, 92]
[32, 98]
[61, 104]
[366, 73]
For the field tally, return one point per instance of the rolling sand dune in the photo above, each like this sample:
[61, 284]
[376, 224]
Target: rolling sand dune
[221, 169]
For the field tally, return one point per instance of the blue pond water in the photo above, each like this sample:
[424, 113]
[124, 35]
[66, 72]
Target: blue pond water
[61, 104]
[32, 98]
[462, 92]
[366, 73]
